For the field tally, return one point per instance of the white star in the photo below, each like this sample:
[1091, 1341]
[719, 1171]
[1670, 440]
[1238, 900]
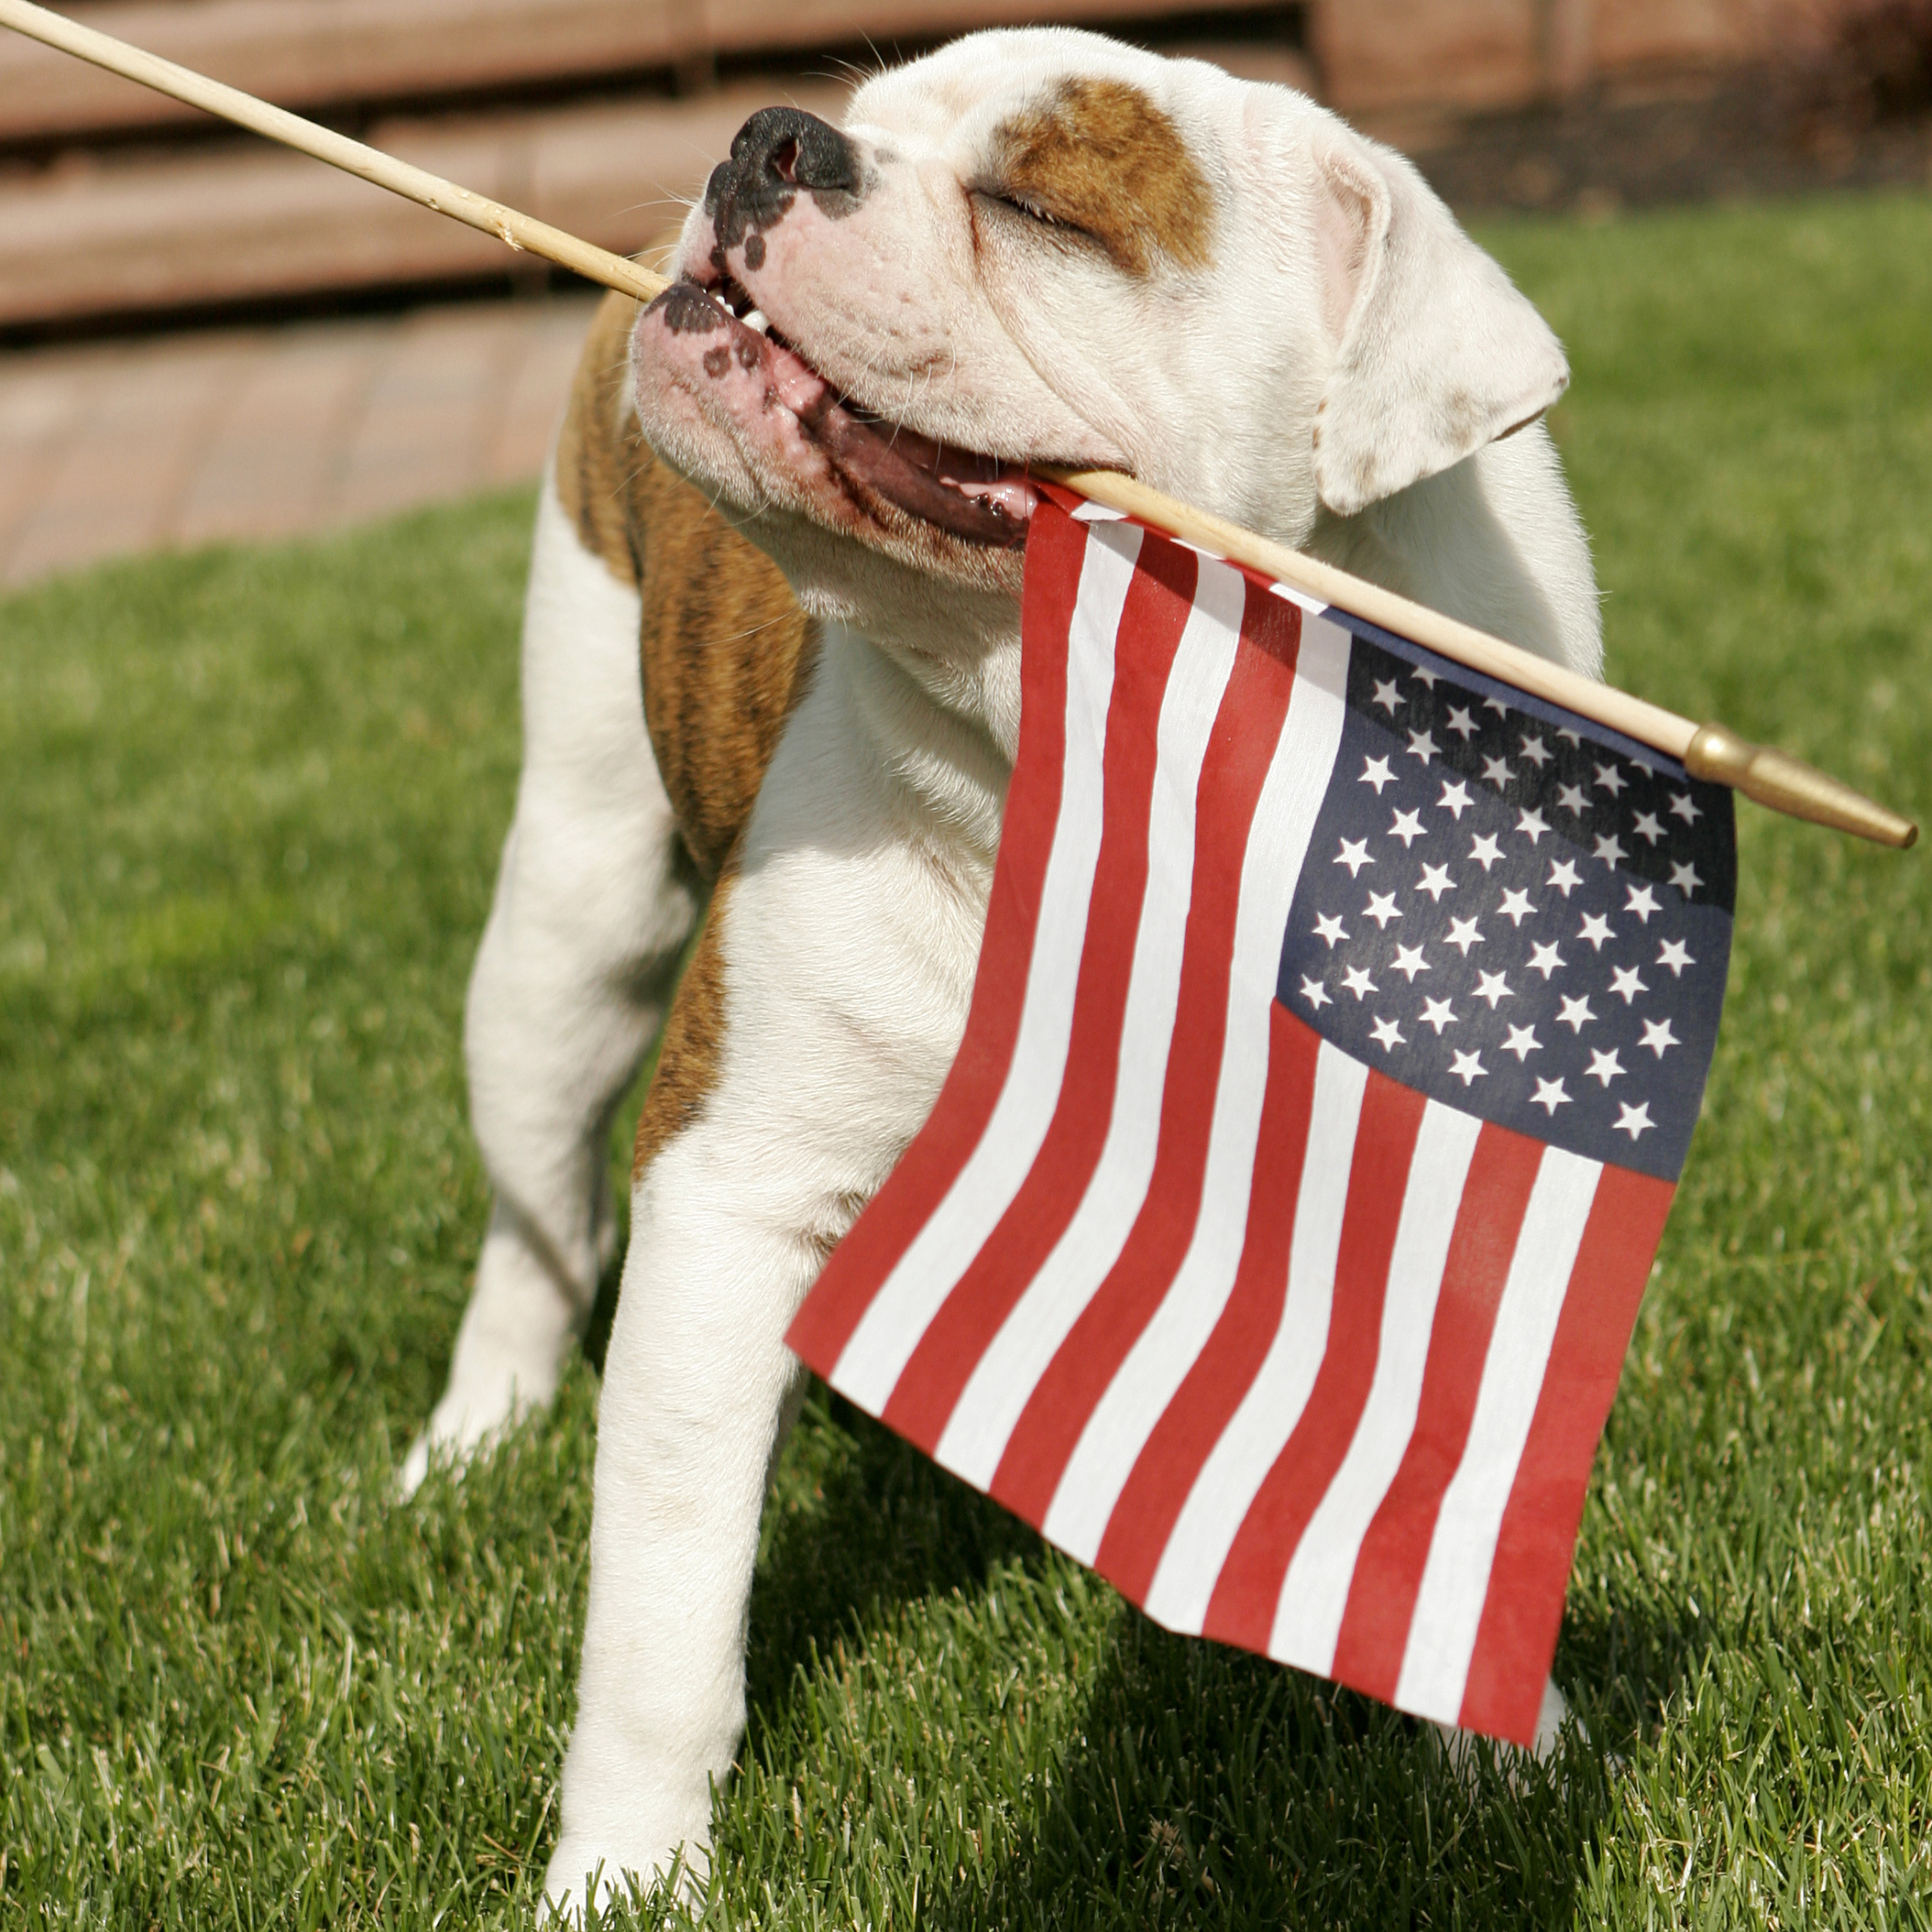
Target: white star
[1387, 1035]
[1570, 737]
[1469, 1069]
[1533, 748]
[1382, 908]
[1674, 954]
[1408, 828]
[1454, 800]
[1409, 960]
[1356, 981]
[1562, 875]
[1685, 806]
[1496, 705]
[1642, 901]
[1495, 772]
[1610, 779]
[1329, 927]
[1386, 695]
[1658, 1035]
[1315, 993]
[1485, 852]
[1545, 960]
[1609, 850]
[1647, 827]
[1684, 878]
[1549, 1096]
[1436, 1013]
[1375, 771]
[1625, 983]
[1531, 824]
[1523, 1042]
[1633, 1120]
[1596, 928]
[1436, 881]
[1463, 934]
[1604, 1067]
[1494, 987]
[1422, 676]
[1421, 746]
[1575, 1015]
[1516, 907]
[1355, 855]
[1462, 724]
[1570, 798]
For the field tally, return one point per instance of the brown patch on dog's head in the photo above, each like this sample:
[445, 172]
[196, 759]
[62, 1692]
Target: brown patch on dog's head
[1099, 157]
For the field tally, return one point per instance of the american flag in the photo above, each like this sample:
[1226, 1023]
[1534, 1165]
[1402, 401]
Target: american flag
[1341, 1022]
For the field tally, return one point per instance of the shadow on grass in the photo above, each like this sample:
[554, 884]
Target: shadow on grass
[1197, 1785]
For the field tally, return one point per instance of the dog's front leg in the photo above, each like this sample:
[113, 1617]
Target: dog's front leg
[808, 1044]
[694, 1385]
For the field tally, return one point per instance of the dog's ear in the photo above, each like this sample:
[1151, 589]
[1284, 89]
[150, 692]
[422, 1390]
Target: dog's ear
[1437, 351]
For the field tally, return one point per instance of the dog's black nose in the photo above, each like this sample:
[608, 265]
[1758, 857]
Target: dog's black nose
[776, 152]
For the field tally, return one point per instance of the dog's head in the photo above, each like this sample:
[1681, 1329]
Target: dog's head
[1043, 247]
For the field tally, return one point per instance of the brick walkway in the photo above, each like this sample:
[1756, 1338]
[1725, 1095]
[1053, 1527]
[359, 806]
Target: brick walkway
[115, 448]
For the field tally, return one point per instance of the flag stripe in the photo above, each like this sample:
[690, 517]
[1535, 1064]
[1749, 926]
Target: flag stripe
[959, 1119]
[1232, 1474]
[1245, 1128]
[1314, 1592]
[1455, 1578]
[1517, 1636]
[1388, 1572]
[1079, 1218]
[1043, 982]
[1242, 1608]
[1215, 1377]
[1246, 730]
[1150, 679]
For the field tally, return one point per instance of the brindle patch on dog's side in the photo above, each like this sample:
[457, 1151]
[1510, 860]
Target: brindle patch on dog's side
[694, 1039]
[1099, 157]
[725, 648]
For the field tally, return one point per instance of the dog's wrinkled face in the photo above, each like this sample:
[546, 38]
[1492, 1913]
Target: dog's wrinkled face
[1043, 247]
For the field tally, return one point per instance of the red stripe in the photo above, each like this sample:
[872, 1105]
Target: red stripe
[1241, 747]
[1241, 1609]
[1516, 1641]
[1165, 1473]
[1056, 549]
[1388, 1568]
[1158, 604]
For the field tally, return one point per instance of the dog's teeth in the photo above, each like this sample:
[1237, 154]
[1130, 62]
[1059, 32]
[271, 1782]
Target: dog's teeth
[754, 318]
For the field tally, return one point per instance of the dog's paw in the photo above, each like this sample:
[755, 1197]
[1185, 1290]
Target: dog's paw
[581, 1878]
[1513, 1761]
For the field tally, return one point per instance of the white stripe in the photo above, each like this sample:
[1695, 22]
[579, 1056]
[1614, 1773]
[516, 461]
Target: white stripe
[1456, 1580]
[1307, 1618]
[990, 1405]
[1289, 801]
[1241, 1460]
[909, 1297]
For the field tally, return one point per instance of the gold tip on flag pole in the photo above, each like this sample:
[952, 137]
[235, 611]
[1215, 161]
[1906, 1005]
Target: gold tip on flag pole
[1707, 751]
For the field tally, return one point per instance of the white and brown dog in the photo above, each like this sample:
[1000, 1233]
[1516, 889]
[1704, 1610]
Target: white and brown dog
[1033, 246]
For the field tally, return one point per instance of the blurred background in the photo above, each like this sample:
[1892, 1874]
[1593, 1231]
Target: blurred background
[202, 337]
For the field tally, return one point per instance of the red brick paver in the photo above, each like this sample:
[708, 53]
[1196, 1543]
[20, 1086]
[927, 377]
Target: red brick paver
[269, 432]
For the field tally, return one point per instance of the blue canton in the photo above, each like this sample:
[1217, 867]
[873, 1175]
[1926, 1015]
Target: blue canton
[1513, 911]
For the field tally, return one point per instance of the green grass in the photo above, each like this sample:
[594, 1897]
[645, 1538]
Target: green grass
[249, 805]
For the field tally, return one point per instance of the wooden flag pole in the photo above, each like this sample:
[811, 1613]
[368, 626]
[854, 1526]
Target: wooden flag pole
[1709, 751]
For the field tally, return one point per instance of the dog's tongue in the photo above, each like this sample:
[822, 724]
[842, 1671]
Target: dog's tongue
[976, 497]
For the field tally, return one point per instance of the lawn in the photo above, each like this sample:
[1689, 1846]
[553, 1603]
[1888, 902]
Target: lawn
[249, 807]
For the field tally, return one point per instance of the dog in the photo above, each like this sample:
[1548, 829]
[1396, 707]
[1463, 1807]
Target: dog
[771, 664]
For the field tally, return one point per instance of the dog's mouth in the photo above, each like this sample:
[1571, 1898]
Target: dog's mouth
[978, 498]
